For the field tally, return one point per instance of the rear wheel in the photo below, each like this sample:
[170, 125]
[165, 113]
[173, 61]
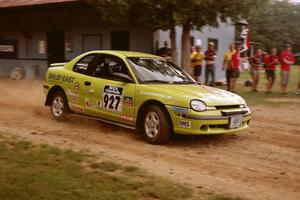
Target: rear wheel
[59, 106]
[156, 125]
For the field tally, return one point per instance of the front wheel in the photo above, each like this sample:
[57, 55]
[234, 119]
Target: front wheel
[156, 125]
[59, 106]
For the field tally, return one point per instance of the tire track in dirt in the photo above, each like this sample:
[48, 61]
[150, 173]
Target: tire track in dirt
[261, 163]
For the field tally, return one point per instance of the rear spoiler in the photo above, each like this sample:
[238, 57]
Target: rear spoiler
[57, 64]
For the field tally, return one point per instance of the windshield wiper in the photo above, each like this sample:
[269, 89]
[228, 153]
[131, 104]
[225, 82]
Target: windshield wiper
[184, 82]
[156, 81]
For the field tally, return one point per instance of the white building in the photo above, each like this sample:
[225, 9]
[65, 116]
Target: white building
[222, 36]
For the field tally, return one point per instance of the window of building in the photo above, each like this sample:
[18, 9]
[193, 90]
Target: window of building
[8, 49]
[120, 40]
[192, 41]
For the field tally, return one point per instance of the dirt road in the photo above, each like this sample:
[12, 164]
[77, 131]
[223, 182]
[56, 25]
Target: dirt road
[262, 163]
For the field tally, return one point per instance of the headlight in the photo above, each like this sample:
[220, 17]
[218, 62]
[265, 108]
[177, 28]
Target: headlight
[198, 105]
[244, 104]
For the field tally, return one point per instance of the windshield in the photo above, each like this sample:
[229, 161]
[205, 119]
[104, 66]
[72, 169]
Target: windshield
[157, 70]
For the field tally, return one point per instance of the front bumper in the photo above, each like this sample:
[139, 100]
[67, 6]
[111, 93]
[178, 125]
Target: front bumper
[187, 121]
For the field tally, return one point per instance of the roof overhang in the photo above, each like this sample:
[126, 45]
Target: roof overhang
[30, 3]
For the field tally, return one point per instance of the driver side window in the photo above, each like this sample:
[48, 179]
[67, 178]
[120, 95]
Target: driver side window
[110, 67]
[83, 64]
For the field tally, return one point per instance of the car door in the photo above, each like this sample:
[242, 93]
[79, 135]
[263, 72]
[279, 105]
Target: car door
[111, 94]
[78, 89]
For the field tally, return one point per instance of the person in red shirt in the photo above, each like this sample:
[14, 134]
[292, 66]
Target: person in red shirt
[270, 66]
[235, 69]
[287, 59]
[257, 62]
[210, 58]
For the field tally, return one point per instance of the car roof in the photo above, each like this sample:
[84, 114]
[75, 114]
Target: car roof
[125, 53]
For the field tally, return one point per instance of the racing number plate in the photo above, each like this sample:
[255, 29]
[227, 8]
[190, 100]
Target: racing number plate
[112, 98]
[235, 121]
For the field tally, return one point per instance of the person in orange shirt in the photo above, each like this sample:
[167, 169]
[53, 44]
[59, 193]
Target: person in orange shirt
[227, 64]
[196, 62]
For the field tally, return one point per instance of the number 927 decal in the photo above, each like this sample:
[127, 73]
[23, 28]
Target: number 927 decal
[112, 97]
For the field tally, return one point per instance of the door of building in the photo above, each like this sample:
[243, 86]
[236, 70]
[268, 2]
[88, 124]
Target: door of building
[91, 42]
[55, 47]
[120, 40]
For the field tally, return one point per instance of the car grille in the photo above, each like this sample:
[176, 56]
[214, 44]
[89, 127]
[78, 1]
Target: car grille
[227, 107]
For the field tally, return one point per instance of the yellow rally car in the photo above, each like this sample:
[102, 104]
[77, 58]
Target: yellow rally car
[143, 92]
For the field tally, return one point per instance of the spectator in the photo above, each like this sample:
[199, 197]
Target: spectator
[235, 69]
[287, 59]
[227, 64]
[196, 62]
[164, 51]
[298, 90]
[257, 62]
[192, 50]
[270, 66]
[210, 58]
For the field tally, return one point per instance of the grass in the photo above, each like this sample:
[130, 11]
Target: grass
[273, 99]
[37, 172]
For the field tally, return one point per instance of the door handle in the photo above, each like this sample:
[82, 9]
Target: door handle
[87, 83]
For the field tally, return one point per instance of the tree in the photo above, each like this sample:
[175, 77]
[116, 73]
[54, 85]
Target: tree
[162, 15]
[166, 14]
[112, 11]
[195, 14]
[275, 23]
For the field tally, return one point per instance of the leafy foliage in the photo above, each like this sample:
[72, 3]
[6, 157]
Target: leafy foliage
[274, 23]
[158, 14]
[166, 14]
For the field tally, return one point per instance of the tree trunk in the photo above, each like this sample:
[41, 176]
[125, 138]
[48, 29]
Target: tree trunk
[185, 48]
[173, 43]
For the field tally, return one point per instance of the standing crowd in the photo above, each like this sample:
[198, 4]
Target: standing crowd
[197, 58]
[232, 65]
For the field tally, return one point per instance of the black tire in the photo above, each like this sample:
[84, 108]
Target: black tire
[156, 133]
[59, 106]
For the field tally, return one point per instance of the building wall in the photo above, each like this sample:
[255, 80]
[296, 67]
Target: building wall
[225, 34]
[79, 24]
[76, 24]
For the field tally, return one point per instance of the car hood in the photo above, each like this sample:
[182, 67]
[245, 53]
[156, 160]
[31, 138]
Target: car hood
[181, 95]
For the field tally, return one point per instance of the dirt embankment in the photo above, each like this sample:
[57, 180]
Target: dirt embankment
[262, 163]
